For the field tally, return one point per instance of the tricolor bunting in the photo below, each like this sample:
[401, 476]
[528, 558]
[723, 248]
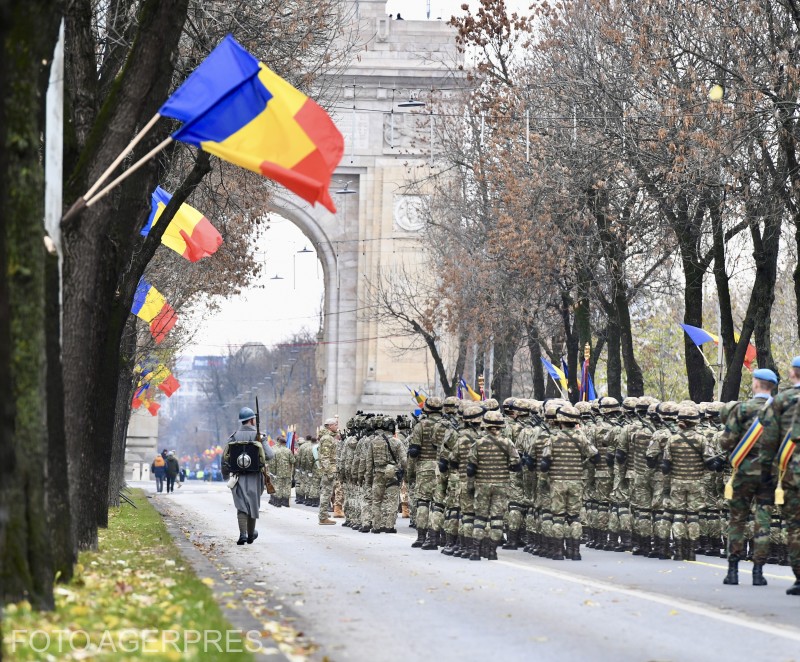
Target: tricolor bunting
[151, 306]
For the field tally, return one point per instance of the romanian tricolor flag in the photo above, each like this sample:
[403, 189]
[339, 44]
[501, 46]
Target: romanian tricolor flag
[470, 392]
[785, 453]
[747, 442]
[189, 233]
[169, 385]
[556, 373]
[151, 306]
[234, 107]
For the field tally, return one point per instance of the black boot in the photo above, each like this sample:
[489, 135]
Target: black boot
[466, 548]
[475, 555]
[366, 528]
[794, 589]
[513, 540]
[450, 545]
[485, 548]
[679, 553]
[783, 556]
[624, 544]
[421, 533]
[689, 548]
[758, 575]
[732, 578]
[558, 549]
[491, 550]
[431, 540]
[591, 537]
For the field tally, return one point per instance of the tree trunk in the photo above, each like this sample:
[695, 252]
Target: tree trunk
[505, 348]
[535, 351]
[700, 377]
[723, 289]
[614, 363]
[59, 517]
[99, 246]
[26, 570]
[125, 387]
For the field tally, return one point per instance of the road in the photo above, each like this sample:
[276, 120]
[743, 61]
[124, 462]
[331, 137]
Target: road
[367, 597]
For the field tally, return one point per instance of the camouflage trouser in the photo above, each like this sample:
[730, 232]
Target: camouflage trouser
[313, 485]
[642, 501]
[466, 501]
[404, 493]
[490, 506]
[566, 501]
[366, 504]
[791, 515]
[325, 492]
[685, 502]
[338, 494]
[436, 517]
[745, 501]
[516, 502]
[452, 507]
[283, 487]
[603, 488]
[620, 514]
[352, 502]
[385, 497]
[530, 484]
[543, 501]
[299, 483]
[424, 489]
[662, 517]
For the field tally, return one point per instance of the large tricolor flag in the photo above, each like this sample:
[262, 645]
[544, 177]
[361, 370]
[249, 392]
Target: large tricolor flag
[151, 306]
[234, 107]
[466, 388]
[700, 336]
[556, 373]
[189, 233]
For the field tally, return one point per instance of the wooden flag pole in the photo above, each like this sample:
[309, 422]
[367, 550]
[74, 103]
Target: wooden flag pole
[129, 171]
[131, 145]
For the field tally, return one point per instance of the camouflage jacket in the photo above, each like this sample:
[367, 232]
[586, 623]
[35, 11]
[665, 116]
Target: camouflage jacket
[327, 454]
[738, 423]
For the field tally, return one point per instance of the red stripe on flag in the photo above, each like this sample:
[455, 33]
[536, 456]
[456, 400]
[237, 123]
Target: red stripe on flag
[163, 322]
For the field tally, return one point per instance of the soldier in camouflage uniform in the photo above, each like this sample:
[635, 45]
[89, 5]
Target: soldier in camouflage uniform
[489, 461]
[457, 464]
[282, 466]
[634, 447]
[686, 456]
[620, 523]
[305, 466]
[299, 475]
[530, 454]
[543, 493]
[562, 458]
[605, 441]
[315, 479]
[424, 446]
[447, 483]
[667, 413]
[515, 516]
[712, 543]
[352, 507]
[781, 422]
[327, 466]
[750, 481]
[385, 464]
[364, 525]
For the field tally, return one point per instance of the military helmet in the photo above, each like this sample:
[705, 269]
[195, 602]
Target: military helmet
[472, 413]
[584, 409]
[687, 402]
[551, 408]
[668, 410]
[652, 409]
[595, 406]
[522, 406]
[451, 404]
[491, 404]
[245, 414]
[629, 404]
[567, 414]
[508, 405]
[608, 405]
[493, 419]
[433, 404]
[535, 406]
[644, 404]
[688, 413]
[713, 408]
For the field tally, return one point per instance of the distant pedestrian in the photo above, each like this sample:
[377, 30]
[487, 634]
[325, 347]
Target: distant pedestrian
[159, 469]
[173, 469]
[181, 477]
[244, 458]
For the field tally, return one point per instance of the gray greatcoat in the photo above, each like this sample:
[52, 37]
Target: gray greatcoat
[248, 489]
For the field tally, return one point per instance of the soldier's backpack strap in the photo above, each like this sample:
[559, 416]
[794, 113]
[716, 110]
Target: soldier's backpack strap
[691, 444]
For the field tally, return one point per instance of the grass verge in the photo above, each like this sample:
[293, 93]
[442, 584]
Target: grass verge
[134, 598]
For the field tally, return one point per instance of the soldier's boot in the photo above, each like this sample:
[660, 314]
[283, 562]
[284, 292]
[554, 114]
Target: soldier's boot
[589, 535]
[442, 538]
[758, 575]
[732, 578]
[241, 520]
[543, 548]
[663, 549]
[338, 513]
[513, 540]
[466, 548]
[794, 589]
[652, 548]
[252, 534]
[450, 545]
[366, 528]
[431, 541]
[636, 544]
[575, 551]
[624, 543]
[485, 543]
[773, 553]
[421, 533]
[412, 524]
[558, 549]
[475, 554]
[376, 529]
[783, 556]
[689, 552]
[404, 513]
[678, 553]
[491, 549]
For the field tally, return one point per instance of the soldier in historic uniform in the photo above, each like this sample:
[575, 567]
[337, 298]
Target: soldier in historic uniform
[385, 466]
[245, 456]
[424, 446]
[781, 421]
[563, 457]
[686, 457]
[327, 465]
[489, 461]
[741, 439]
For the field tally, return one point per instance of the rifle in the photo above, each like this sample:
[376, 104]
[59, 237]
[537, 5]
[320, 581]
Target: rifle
[540, 422]
[452, 422]
[643, 421]
[258, 421]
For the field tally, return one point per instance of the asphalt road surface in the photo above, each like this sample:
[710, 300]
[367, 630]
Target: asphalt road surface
[369, 597]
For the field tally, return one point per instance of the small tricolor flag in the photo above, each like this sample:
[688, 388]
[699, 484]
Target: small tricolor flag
[234, 107]
[189, 233]
[151, 306]
[169, 385]
[470, 392]
[785, 453]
